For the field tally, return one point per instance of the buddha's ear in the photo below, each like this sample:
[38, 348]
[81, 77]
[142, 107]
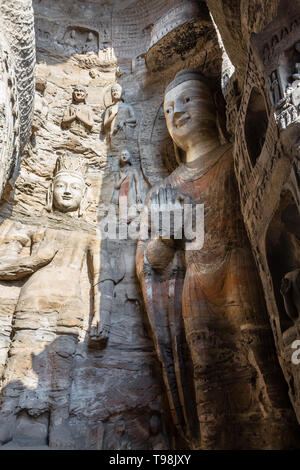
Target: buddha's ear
[83, 204]
[49, 198]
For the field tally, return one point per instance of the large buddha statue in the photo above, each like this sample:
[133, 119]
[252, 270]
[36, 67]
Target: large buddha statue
[204, 304]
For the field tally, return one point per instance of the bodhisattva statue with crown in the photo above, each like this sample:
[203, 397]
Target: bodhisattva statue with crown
[50, 304]
[204, 304]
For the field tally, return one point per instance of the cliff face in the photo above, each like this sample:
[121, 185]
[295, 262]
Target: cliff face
[17, 50]
[64, 383]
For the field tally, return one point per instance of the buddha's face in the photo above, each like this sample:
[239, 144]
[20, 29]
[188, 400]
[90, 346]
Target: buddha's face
[124, 157]
[68, 192]
[116, 93]
[79, 95]
[188, 109]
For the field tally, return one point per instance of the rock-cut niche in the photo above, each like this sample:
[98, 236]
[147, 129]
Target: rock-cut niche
[283, 250]
[256, 123]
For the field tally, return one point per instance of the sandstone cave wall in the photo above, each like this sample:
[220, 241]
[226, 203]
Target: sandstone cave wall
[114, 392]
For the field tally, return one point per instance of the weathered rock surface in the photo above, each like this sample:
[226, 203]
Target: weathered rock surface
[17, 61]
[69, 379]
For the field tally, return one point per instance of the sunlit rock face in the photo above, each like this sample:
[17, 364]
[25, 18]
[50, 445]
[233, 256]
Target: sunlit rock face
[109, 342]
[17, 61]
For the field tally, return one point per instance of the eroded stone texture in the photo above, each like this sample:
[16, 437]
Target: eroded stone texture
[266, 136]
[79, 381]
[17, 61]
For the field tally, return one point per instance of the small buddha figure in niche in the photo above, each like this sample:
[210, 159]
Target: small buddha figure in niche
[77, 117]
[71, 39]
[112, 111]
[198, 301]
[119, 116]
[126, 120]
[129, 188]
[50, 306]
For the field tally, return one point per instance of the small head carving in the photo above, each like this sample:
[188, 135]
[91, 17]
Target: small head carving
[116, 92]
[68, 189]
[90, 37]
[125, 157]
[79, 94]
[189, 108]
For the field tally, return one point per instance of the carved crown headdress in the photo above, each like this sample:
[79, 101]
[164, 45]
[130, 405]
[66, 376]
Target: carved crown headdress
[71, 165]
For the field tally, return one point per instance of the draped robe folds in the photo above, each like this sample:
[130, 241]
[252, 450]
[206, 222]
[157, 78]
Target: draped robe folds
[210, 299]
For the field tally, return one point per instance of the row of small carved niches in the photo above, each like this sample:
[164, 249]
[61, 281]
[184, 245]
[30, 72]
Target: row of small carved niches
[267, 119]
[266, 152]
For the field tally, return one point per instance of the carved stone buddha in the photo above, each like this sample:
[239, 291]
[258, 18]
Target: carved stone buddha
[204, 305]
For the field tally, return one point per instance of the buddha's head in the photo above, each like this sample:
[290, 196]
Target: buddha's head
[68, 189]
[125, 157]
[79, 94]
[116, 92]
[189, 109]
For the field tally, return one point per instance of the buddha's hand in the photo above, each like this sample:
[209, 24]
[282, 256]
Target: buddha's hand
[46, 252]
[167, 209]
[159, 253]
[99, 331]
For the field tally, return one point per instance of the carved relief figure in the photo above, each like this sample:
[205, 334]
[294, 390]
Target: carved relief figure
[112, 111]
[119, 116]
[50, 303]
[126, 120]
[129, 188]
[287, 108]
[77, 117]
[202, 294]
[40, 104]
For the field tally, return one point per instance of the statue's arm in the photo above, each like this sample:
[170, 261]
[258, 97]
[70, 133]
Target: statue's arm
[13, 269]
[109, 116]
[94, 263]
[119, 183]
[137, 186]
[102, 296]
[15, 237]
